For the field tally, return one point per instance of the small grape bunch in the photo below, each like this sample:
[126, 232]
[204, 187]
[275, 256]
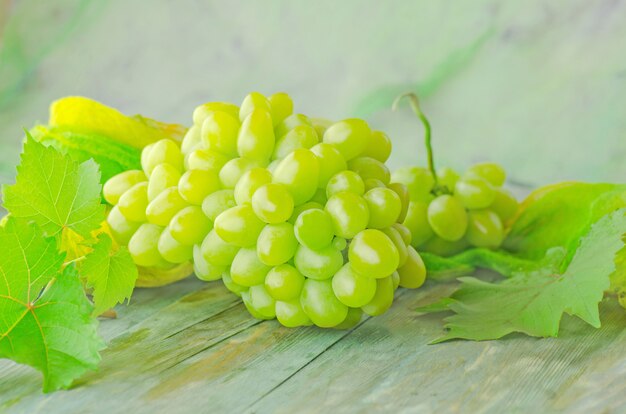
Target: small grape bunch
[449, 212]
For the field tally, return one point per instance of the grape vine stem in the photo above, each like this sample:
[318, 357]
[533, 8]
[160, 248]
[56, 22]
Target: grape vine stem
[415, 105]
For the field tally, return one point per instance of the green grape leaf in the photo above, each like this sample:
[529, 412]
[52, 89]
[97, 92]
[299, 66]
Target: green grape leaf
[618, 278]
[559, 214]
[56, 192]
[110, 273]
[533, 301]
[46, 318]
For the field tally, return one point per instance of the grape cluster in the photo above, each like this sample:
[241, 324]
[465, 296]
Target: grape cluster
[295, 215]
[452, 212]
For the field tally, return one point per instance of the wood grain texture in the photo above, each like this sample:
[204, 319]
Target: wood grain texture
[199, 351]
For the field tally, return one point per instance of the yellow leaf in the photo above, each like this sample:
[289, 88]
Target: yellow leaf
[87, 115]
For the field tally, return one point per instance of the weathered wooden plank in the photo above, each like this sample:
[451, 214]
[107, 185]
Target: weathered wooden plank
[19, 380]
[387, 365]
[227, 352]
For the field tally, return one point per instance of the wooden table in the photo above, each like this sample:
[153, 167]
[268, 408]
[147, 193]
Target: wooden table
[192, 347]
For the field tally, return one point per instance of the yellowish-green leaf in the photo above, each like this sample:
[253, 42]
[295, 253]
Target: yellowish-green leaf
[55, 191]
[110, 273]
[46, 318]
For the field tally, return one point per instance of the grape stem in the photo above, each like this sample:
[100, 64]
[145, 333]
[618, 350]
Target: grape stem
[415, 105]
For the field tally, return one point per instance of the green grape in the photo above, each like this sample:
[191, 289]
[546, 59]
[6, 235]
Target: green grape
[163, 176]
[189, 226]
[290, 123]
[383, 299]
[314, 229]
[353, 289]
[474, 193]
[282, 107]
[419, 182]
[353, 318]
[172, 250]
[203, 269]
[379, 146]
[484, 229]
[350, 137]
[395, 236]
[321, 305]
[161, 210]
[219, 133]
[272, 203]
[120, 183]
[413, 273]
[195, 185]
[403, 192]
[373, 254]
[121, 229]
[239, 226]
[232, 171]
[232, 286]
[340, 243]
[256, 136]
[299, 172]
[163, 151]
[447, 217]
[202, 111]
[247, 269]
[203, 159]
[318, 264]
[349, 214]
[276, 244]
[404, 232]
[297, 210]
[191, 141]
[368, 167]
[321, 125]
[252, 102]
[384, 206]
[259, 303]
[447, 177]
[417, 222]
[395, 277]
[216, 203]
[249, 182]
[302, 136]
[319, 196]
[290, 314]
[272, 166]
[284, 282]
[491, 172]
[134, 201]
[445, 248]
[345, 181]
[143, 246]
[145, 153]
[330, 160]
[504, 204]
[216, 251]
[371, 183]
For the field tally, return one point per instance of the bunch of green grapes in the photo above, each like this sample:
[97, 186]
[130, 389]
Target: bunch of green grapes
[449, 212]
[295, 215]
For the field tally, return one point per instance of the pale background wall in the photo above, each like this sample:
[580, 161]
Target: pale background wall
[537, 85]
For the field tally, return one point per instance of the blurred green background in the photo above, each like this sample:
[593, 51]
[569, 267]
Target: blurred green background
[537, 85]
